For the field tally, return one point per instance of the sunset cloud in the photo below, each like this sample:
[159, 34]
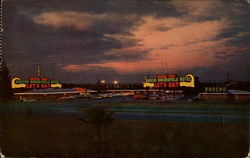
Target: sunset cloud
[79, 21]
[121, 67]
[182, 46]
[180, 33]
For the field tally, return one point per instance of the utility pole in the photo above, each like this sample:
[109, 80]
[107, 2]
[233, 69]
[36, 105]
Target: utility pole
[164, 63]
[165, 72]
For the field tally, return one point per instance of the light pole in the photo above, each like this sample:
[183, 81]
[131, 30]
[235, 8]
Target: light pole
[102, 84]
[115, 84]
[103, 81]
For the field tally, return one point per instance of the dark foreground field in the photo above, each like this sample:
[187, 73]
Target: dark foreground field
[71, 137]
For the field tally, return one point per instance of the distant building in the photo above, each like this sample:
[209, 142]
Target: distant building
[46, 94]
[239, 95]
[235, 95]
[51, 94]
[213, 96]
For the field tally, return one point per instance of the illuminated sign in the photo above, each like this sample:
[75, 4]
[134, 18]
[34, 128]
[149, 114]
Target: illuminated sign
[79, 89]
[150, 85]
[215, 89]
[36, 82]
[172, 81]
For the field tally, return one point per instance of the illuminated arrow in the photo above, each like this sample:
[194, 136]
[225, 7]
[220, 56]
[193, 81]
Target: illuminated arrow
[14, 85]
[56, 85]
[188, 84]
[148, 85]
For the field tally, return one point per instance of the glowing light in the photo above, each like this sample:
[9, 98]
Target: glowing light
[57, 85]
[150, 85]
[115, 82]
[103, 81]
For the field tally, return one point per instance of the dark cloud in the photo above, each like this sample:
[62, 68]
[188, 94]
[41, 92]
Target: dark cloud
[238, 68]
[133, 55]
[224, 55]
[24, 40]
[237, 12]
[37, 45]
[122, 7]
[241, 40]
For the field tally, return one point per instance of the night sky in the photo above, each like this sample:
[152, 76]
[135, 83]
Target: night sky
[79, 41]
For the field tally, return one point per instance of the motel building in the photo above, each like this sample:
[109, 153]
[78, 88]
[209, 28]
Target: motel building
[214, 93]
[222, 93]
[59, 94]
[239, 95]
[45, 94]
[172, 87]
[141, 93]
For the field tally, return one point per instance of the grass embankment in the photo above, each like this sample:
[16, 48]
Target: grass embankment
[68, 137]
[179, 107]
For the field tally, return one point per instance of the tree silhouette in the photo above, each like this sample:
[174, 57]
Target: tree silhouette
[6, 91]
[101, 118]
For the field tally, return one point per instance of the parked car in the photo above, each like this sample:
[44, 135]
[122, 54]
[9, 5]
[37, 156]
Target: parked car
[96, 97]
[83, 96]
[117, 95]
[139, 96]
[67, 98]
[29, 100]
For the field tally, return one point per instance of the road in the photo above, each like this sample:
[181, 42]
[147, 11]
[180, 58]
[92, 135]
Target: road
[75, 109]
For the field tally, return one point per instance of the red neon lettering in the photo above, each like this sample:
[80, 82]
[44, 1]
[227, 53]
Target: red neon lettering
[174, 84]
[160, 84]
[172, 76]
[36, 78]
[161, 76]
[45, 86]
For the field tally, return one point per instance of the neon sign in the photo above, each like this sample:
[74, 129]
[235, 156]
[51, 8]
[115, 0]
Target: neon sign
[215, 89]
[36, 82]
[172, 81]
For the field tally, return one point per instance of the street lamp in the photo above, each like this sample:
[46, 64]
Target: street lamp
[115, 82]
[103, 81]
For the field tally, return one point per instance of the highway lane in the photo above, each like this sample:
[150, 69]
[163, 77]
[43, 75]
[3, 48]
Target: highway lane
[183, 117]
